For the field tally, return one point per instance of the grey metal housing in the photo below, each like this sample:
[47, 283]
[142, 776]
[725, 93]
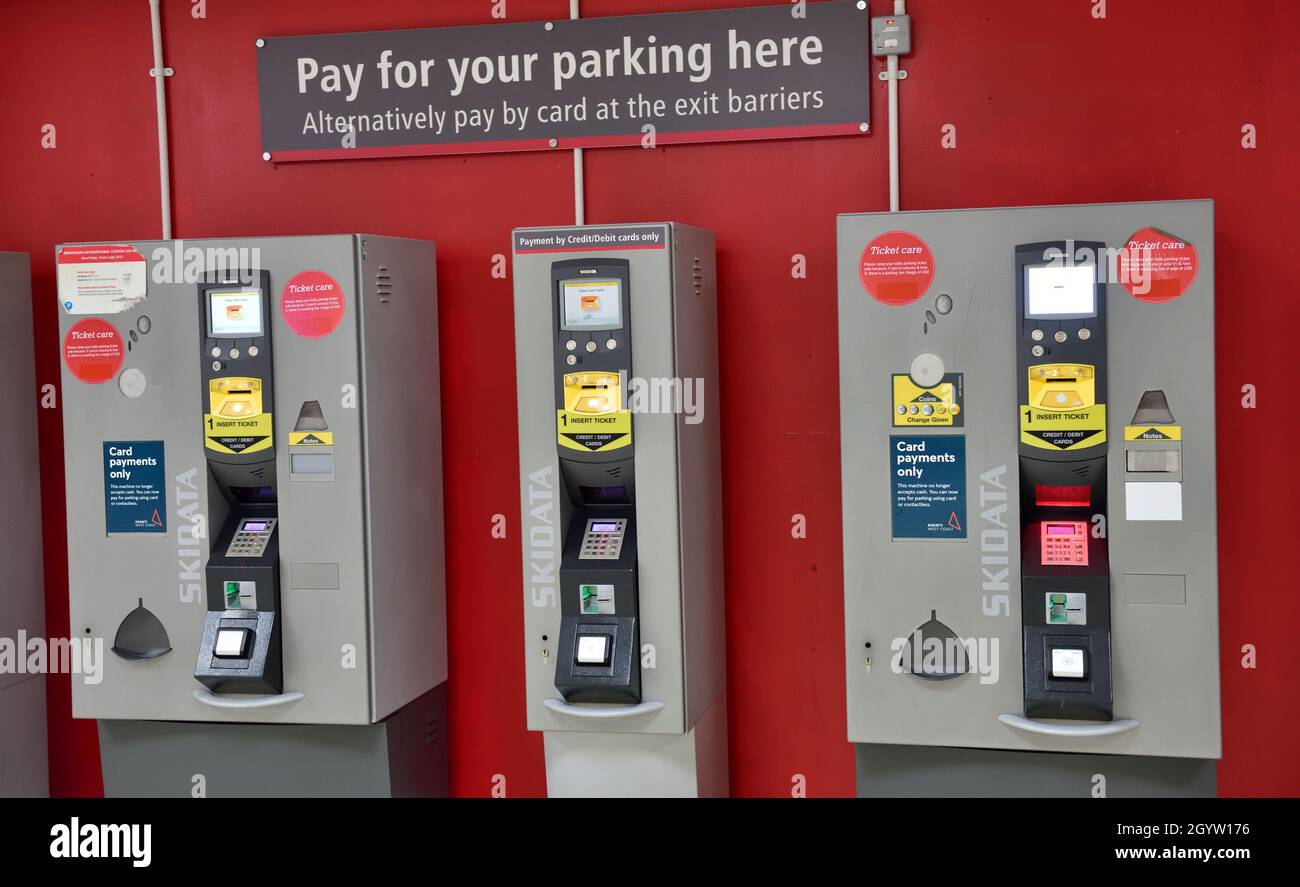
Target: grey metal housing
[23, 759]
[678, 494]
[1164, 574]
[361, 553]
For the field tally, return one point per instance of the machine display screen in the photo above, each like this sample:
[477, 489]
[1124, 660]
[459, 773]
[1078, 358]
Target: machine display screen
[254, 526]
[235, 314]
[1060, 291]
[603, 527]
[592, 304]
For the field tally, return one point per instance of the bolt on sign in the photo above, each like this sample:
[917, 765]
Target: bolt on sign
[721, 75]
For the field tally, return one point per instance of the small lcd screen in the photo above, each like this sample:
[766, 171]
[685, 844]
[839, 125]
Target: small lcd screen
[235, 315]
[1060, 529]
[255, 526]
[604, 527]
[592, 304]
[1061, 291]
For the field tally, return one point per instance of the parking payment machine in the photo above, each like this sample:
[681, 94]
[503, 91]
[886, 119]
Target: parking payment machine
[1027, 422]
[616, 355]
[252, 444]
[23, 759]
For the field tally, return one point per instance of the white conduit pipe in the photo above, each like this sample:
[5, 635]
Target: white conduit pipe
[159, 75]
[900, 8]
[579, 183]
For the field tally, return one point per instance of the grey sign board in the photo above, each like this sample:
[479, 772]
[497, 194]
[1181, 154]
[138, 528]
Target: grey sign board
[776, 71]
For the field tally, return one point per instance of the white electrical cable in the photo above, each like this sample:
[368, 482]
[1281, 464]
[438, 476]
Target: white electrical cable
[159, 74]
[900, 8]
[579, 183]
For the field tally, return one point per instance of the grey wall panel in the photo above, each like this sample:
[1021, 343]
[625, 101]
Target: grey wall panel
[22, 594]
[23, 761]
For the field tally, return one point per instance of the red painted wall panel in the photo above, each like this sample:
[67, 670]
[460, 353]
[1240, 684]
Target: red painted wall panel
[1050, 105]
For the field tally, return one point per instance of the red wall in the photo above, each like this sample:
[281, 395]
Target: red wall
[1050, 106]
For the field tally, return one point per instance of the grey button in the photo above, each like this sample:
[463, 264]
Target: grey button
[1036, 335]
[571, 344]
[571, 360]
[1037, 351]
[591, 346]
[252, 351]
[132, 382]
[216, 364]
[611, 344]
[1061, 335]
[216, 352]
[1085, 334]
[234, 353]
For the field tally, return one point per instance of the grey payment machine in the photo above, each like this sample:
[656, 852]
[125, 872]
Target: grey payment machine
[255, 523]
[616, 356]
[1028, 446]
[23, 760]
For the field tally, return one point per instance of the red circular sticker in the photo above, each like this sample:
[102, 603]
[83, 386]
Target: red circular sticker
[93, 350]
[312, 304]
[1157, 267]
[897, 268]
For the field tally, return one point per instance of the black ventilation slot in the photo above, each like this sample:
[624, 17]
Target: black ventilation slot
[384, 283]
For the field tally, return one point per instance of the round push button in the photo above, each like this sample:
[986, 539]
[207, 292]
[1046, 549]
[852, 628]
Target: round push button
[926, 370]
[132, 382]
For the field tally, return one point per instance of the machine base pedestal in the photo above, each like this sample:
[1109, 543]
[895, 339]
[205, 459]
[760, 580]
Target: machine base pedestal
[911, 771]
[641, 765]
[404, 756]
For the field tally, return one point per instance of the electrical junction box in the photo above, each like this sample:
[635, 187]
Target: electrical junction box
[891, 35]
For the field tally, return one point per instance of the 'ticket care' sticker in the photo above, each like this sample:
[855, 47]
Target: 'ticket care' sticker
[312, 304]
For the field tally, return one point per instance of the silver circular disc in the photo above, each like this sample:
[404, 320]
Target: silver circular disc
[927, 370]
[132, 382]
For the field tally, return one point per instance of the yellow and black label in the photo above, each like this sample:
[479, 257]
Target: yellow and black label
[915, 406]
[593, 433]
[234, 436]
[1063, 429]
[1153, 432]
[311, 438]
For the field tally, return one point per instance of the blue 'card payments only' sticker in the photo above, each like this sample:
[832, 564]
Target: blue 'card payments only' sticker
[929, 485]
[135, 499]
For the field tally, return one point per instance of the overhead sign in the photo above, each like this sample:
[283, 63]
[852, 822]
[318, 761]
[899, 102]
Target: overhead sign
[782, 71]
[590, 239]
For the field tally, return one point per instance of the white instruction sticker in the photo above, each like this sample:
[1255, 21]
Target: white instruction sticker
[102, 278]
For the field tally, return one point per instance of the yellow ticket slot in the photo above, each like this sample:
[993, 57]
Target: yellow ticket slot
[235, 397]
[592, 393]
[1062, 386]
